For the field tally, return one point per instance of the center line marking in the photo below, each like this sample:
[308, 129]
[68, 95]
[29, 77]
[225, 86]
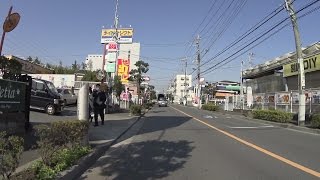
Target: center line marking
[265, 151]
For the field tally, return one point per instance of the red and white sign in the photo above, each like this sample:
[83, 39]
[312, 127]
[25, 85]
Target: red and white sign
[112, 47]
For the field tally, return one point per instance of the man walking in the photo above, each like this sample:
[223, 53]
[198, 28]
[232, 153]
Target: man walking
[99, 99]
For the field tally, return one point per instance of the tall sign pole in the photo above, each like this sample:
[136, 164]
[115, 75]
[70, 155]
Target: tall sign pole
[9, 24]
[301, 82]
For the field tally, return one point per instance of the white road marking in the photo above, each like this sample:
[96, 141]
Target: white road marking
[251, 127]
[208, 117]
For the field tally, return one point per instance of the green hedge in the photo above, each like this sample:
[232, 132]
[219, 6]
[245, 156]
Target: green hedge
[315, 120]
[272, 115]
[135, 109]
[148, 105]
[210, 107]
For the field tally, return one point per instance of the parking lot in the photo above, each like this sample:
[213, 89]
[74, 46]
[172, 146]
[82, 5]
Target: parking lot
[69, 113]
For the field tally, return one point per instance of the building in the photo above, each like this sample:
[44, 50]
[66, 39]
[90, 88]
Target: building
[126, 51]
[30, 68]
[281, 73]
[182, 87]
[224, 89]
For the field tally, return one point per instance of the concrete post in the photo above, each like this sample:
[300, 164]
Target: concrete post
[83, 103]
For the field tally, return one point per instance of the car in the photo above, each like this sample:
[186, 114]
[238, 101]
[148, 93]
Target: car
[68, 96]
[44, 96]
[162, 101]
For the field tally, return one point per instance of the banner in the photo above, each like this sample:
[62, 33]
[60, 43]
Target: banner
[258, 98]
[123, 70]
[316, 96]
[310, 64]
[124, 35]
[283, 98]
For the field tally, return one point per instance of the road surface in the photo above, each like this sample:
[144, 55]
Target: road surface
[172, 145]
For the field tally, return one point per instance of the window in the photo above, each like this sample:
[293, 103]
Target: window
[66, 91]
[34, 85]
[40, 86]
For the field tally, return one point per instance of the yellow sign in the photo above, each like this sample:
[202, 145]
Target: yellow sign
[128, 32]
[123, 70]
[310, 64]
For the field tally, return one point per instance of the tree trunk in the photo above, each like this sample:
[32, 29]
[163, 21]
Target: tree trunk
[138, 91]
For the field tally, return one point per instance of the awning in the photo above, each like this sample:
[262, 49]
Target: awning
[220, 94]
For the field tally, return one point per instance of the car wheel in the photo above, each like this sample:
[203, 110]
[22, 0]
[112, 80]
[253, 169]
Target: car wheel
[50, 109]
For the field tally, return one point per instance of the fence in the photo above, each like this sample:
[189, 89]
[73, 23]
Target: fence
[285, 101]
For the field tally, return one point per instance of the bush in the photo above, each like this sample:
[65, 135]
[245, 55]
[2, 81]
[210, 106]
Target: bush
[272, 115]
[135, 109]
[59, 135]
[148, 105]
[210, 107]
[10, 151]
[315, 120]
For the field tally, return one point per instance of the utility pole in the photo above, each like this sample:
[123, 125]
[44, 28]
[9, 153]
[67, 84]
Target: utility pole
[198, 74]
[185, 76]
[241, 85]
[301, 77]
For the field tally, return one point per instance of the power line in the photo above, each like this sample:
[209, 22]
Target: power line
[310, 4]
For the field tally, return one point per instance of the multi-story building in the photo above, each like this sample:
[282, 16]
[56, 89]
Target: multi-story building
[182, 87]
[126, 51]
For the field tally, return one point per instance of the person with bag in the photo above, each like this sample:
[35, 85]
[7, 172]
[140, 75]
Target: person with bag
[99, 99]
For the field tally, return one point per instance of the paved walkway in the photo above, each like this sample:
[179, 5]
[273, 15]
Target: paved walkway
[115, 124]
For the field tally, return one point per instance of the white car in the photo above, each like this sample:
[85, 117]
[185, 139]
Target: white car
[68, 96]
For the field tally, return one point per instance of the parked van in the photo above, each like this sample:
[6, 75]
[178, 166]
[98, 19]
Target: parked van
[44, 96]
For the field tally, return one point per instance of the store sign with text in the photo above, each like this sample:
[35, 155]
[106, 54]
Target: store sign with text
[310, 64]
[123, 70]
[124, 35]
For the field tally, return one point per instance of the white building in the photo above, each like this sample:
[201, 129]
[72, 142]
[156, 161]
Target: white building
[180, 90]
[94, 61]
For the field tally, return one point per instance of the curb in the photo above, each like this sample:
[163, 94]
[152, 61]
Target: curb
[88, 160]
[282, 125]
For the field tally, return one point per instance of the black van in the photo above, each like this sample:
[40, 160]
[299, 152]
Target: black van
[44, 96]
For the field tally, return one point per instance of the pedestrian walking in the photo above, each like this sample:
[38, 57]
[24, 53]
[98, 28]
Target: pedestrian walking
[99, 99]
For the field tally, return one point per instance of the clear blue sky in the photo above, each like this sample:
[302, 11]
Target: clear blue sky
[69, 30]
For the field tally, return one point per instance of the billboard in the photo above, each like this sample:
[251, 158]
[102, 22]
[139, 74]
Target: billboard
[124, 35]
[111, 57]
[112, 47]
[123, 70]
[110, 67]
[311, 63]
[283, 98]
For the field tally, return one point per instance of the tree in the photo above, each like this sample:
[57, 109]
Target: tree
[90, 76]
[37, 61]
[30, 59]
[83, 66]
[75, 66]
[118, 87]
[89, 65]
[136, 74]
[9, 67]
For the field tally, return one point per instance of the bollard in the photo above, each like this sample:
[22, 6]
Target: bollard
[83, 103]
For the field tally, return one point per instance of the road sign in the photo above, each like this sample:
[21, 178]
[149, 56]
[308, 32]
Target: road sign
[11, 22]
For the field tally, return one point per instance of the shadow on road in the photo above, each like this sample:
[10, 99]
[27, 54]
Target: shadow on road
[144, 160]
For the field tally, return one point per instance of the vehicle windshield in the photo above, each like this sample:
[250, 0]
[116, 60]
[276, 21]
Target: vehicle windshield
[52, 87]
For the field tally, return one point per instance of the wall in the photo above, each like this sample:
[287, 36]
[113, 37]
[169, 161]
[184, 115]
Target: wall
[269, 83]
[59, 80]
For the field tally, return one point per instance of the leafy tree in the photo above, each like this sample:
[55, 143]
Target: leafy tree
[83, 66]
[37, 61]
[136, 74]
[118, 87]
[30, 59]
[90, 76]
[9, 67]
[75, 66]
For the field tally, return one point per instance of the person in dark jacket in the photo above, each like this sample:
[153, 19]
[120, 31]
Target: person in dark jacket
[99, 99]
[90, 104]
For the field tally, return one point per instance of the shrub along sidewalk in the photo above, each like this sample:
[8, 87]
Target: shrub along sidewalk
[61, 145]
[272, 115]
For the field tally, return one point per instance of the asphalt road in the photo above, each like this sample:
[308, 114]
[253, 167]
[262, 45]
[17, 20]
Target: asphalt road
[172, 145]
[69, 113]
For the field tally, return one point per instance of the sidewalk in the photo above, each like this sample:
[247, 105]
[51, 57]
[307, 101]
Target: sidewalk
[100, 137]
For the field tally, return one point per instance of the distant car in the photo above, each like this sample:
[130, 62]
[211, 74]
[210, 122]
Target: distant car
[162, 102]
[68, 95]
